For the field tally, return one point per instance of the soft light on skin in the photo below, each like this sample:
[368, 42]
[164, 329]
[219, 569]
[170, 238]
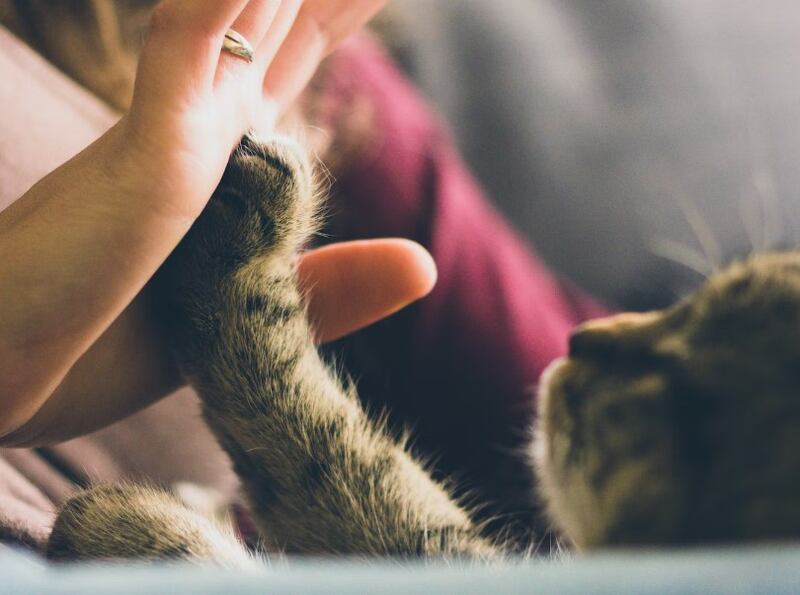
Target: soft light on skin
[382, 276]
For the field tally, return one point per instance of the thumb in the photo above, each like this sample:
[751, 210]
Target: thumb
[353, 284]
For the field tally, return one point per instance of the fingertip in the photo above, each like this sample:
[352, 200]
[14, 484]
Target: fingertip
[417, 263]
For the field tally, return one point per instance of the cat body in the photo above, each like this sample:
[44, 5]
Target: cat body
[651, 432]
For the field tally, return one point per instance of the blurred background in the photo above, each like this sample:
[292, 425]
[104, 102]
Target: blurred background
[635, 143]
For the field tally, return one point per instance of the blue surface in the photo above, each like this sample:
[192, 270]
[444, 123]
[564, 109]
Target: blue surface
[772, 570]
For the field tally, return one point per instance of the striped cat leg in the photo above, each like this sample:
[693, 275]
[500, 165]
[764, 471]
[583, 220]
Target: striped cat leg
[321, 477]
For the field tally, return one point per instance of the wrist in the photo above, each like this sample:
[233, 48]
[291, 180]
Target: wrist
[146, 177]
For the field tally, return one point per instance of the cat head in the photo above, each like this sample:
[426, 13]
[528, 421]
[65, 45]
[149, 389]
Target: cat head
[682, 425]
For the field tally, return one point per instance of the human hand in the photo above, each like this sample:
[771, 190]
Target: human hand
[193, 102]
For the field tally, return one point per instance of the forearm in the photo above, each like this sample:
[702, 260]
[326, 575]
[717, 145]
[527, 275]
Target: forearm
[127, 369]
[77, 249]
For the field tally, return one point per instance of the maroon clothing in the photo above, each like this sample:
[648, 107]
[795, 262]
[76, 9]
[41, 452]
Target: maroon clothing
[460, 366]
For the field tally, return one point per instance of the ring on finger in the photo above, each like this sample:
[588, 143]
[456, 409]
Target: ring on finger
[237, 44]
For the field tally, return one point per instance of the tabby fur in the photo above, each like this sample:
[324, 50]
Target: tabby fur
[681, 426]
[321, 478]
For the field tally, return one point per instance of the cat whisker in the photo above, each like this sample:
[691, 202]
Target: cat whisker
[763, 183]
[671, 186]
[683, 255]
[702, 232]
[753, 223]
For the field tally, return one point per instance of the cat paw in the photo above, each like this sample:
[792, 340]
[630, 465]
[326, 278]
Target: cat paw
[140, 523]
[276, 176]
[262, 212]
[264, 205]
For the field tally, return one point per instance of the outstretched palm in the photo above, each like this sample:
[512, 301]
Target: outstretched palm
[193, 102]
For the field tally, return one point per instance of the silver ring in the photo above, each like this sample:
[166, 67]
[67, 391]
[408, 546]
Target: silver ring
[237, 44]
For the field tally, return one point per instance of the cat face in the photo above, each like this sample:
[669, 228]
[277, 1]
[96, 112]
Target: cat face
[683, 425]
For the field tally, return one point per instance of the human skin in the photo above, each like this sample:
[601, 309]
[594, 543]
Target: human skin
[78, 349]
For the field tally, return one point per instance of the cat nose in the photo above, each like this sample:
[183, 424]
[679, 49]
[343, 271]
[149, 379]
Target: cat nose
[598, 336]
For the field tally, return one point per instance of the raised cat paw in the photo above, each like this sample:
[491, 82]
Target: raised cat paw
[277, 179]
[260, 215]
[264, 205]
